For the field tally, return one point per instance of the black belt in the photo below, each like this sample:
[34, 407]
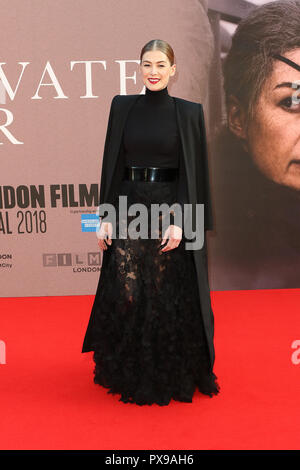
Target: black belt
[136, 173]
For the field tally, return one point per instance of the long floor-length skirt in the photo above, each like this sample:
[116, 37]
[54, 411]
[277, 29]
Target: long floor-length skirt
[148, 338]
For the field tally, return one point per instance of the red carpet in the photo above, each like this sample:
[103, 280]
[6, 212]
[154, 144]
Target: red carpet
[49, 401]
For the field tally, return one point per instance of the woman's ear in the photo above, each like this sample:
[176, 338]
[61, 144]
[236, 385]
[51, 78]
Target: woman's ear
[236, 116]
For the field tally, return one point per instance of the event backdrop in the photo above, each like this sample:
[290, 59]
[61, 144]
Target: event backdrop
[61, 63]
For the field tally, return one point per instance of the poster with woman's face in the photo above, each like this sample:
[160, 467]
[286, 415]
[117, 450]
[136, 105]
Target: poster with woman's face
[255, 149]
[226, 59]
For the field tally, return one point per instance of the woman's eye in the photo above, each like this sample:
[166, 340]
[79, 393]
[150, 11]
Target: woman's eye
[292, 103]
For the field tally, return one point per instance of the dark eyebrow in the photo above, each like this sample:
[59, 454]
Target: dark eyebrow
[157, 61]
[288, 85]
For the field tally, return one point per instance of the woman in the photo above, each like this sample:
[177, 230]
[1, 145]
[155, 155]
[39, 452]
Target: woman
[150, 330]
[257, 154]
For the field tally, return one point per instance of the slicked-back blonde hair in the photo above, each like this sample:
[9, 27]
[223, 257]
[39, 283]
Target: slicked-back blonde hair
[159, 45]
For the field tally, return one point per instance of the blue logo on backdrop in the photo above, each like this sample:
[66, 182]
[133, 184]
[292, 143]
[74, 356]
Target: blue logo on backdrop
[89, 222]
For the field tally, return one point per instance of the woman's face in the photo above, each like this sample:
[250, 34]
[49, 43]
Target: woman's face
[273, 136]
[156, 65]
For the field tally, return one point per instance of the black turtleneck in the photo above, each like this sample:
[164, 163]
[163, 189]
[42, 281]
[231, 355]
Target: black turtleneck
[150, 136]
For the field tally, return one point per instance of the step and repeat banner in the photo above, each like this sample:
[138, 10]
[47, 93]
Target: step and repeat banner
[63, 61]
[61, 64]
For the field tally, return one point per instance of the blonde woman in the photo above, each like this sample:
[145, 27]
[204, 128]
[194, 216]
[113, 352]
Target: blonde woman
[151, 326]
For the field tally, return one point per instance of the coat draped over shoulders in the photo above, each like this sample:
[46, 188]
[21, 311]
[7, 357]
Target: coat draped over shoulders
[193, 184]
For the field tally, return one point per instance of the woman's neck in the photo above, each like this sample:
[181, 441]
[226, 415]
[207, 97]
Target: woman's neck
[157, 96]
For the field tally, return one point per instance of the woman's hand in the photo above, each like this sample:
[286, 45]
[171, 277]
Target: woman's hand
[174, 233]
[104, 235]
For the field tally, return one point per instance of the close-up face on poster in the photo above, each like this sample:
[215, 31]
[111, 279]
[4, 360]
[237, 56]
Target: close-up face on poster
[256, 149]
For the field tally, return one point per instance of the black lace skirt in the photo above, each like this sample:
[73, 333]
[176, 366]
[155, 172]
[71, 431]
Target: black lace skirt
[148, 338]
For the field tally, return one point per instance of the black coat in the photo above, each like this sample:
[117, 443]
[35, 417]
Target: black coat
[194, 188]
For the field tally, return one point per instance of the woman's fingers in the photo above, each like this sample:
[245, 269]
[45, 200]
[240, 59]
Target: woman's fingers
[104, 235]
[102, 244]
[172, 243]
[174, 233]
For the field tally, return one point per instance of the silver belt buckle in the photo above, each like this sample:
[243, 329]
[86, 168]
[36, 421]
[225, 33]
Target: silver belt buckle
[152, 176]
